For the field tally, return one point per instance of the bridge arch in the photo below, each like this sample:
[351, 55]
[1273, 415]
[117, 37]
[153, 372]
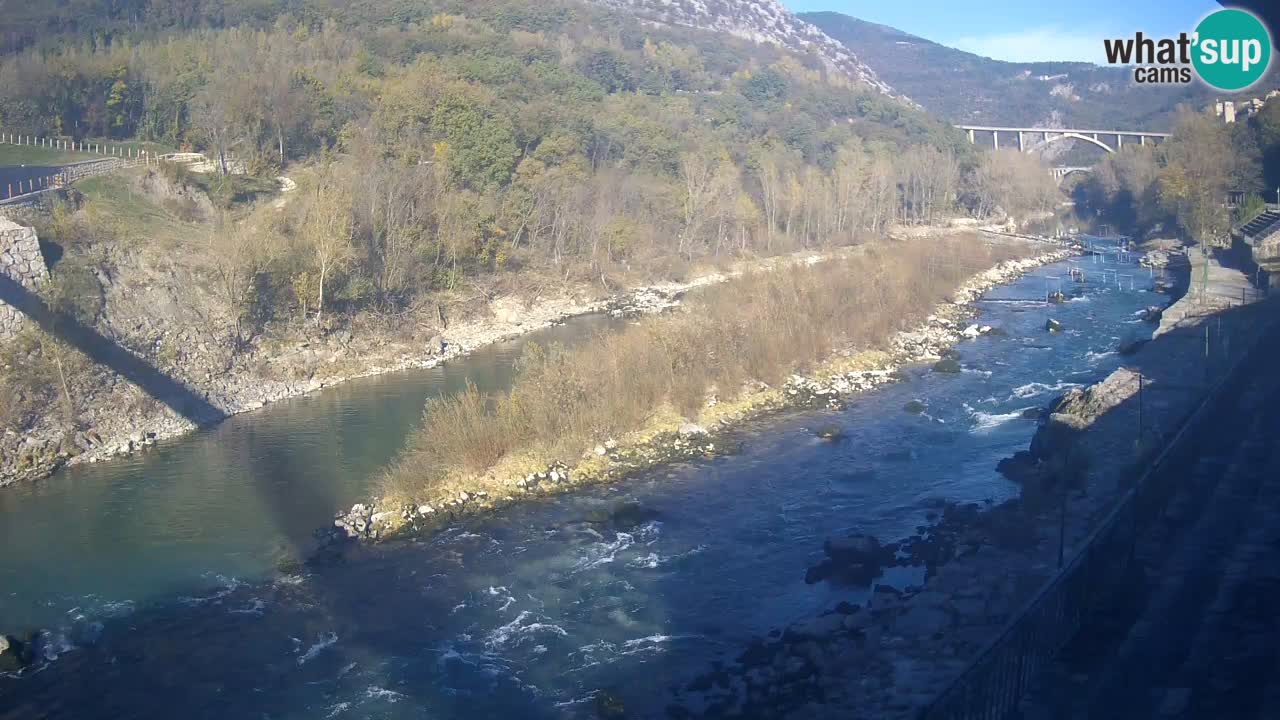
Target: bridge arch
[1062, 173]
[1074, 136]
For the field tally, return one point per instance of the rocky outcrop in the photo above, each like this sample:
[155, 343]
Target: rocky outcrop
[21, 262]
[762, 21]
[1079, 408]
[1056, 451]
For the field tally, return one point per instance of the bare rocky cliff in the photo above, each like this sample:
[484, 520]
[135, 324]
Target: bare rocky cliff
[762, 21]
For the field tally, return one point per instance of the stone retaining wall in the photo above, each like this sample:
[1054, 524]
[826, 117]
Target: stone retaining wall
[36, 207]
[20, 261]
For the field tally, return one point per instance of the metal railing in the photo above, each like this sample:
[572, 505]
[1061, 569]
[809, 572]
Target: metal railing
[997, 679]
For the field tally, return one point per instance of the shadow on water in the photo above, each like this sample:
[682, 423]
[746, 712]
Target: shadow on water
[102, 350]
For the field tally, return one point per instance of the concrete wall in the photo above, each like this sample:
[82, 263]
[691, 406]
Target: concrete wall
[20, 261]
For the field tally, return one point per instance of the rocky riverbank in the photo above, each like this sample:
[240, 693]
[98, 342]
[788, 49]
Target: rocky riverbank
[119, 419]
[891, 656]
[669, 436]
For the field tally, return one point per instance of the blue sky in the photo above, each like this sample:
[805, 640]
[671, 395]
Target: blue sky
[1019, 30]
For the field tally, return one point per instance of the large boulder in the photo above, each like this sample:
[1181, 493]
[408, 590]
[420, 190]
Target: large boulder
[856, 560]
[946, 365]
[830, 433]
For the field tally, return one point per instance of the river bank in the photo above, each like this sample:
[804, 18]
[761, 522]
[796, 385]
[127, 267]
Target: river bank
[889, 657]
[668, 435]
[120, 420]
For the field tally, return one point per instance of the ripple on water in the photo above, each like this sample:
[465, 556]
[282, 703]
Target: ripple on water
[1036, 389]
[524, 628]
[327, 640]
[987, 422]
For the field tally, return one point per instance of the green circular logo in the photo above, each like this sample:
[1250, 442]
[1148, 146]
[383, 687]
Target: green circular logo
[1232, 49]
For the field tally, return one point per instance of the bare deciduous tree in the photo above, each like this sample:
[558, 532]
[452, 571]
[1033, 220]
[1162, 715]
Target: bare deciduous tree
[326, 232]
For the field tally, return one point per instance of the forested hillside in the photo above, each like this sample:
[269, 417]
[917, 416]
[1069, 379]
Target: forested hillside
[470, 137]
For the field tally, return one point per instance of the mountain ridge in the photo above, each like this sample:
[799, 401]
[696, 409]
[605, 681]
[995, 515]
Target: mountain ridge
[964, 87]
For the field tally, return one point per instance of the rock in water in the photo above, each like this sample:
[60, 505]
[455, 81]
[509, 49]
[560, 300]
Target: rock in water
[14, 654]
[609, 706]
[623, 517]
[1053, 326]
[830, 432]
[946, 365]
[855, 548]
[915, 407]
[857, 559]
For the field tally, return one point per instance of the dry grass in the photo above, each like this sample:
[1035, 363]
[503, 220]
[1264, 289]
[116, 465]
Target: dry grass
[757, 328]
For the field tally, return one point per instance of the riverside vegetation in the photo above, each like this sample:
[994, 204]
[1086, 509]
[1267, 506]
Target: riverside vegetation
[725, 354]
[467, 155]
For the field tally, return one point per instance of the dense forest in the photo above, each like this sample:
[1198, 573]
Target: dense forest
[435, 141]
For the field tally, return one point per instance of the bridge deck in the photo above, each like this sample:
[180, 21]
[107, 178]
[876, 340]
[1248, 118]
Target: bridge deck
[1127, 133]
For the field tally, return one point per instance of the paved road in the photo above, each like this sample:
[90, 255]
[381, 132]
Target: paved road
[12, 175]
[1200, 638]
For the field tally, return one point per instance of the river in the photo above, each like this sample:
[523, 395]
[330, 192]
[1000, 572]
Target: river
[169, 578]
